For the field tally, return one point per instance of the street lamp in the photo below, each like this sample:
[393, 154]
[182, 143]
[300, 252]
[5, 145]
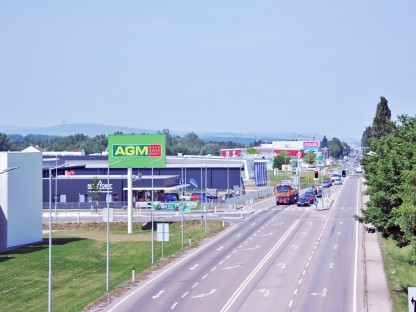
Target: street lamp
[8, 169]
[108, 222]
[151, 213]
[50, 236]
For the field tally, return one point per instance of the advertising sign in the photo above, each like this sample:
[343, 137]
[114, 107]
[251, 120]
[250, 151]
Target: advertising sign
[260, 172]
[310, 145]
[137, 150]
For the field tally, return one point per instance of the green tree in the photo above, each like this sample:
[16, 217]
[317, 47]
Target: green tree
[366, 138]
[335, 148]
[309, 158]
[324, 142]
[382, 121]
[281, 159]
[5, 144]
[390, 173]
[252, 150]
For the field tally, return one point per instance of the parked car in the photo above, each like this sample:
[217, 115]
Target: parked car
[358, 170]
[168, 197]
[325, 184]
[199, 197]
[303, 201]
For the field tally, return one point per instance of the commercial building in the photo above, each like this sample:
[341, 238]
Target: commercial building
[71, 183]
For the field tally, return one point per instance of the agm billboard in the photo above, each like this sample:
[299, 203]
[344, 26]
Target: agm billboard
[137, 150]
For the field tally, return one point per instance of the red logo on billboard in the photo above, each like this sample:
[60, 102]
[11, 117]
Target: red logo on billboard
[311, 144]
[155, 150]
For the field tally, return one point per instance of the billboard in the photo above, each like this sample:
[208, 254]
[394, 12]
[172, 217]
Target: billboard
[260, 172]
[137, 150]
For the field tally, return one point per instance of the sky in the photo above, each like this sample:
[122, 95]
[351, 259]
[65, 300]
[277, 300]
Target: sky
[278, 66]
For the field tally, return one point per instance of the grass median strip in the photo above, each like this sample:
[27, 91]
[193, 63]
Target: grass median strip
[79, 263]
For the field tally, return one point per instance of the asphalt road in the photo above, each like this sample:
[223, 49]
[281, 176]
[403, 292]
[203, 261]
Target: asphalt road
[280, 258]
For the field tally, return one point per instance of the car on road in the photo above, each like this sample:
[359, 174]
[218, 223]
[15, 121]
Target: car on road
[358, 170]
[310, 194]
[319, 194]
[303, 201]
[325, 184]
[338, 181]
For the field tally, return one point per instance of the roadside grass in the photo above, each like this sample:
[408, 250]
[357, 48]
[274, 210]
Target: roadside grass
[400, 272]
[79, 263]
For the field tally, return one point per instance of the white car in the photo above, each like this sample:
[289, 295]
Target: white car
[358, 170]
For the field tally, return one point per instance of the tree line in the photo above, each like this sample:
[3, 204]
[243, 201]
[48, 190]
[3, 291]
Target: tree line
[390, 174]
[190, 144]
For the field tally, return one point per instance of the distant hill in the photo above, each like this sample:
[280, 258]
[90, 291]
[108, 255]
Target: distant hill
[97, 129]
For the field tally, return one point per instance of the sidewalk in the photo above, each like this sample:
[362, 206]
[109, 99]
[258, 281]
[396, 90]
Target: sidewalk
[376, 287]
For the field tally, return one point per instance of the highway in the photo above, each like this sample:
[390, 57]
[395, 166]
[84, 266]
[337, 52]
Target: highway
[280, 258]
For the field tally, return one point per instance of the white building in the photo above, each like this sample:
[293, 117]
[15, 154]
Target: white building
[20, 198]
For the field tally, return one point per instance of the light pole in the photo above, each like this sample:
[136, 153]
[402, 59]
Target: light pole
[50, 237]
[8, 169]
[108, 222]
[56, 184]
[151, 214]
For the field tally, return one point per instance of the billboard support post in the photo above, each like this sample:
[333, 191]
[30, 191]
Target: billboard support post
[130, 200]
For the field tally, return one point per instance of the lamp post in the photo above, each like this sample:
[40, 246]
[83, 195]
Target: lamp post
[8, 169]
[56, 185]
[108, 223]
[50, 237]
[151, 214]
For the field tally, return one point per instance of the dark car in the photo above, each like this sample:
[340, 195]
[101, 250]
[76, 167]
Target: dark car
[168, 197]
[303, 201]
[319, 194]
[310, 194]
[325, 184]
[329, 182]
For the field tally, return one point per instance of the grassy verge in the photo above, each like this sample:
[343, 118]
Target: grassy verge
[400, 272]
[79, 263]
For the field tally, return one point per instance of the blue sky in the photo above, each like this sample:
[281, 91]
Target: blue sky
[207, 66]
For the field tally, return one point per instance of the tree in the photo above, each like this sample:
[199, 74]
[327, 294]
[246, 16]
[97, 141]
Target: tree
[281, 159]
[94, 193]
[309, 157]
[252, 150]
[390, 173]
[382, 121]
[324, 142]
[335, 148]
[5, 144]
[366, 138]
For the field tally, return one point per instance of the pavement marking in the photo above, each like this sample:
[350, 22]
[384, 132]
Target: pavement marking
[194, 267]
[185, 294]
[265, 292]
[240, 289]
[203, 277]
[173, 306]
[218, 249]
[204, 295]
[158, 294]
[196, 284]
[281, 265]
